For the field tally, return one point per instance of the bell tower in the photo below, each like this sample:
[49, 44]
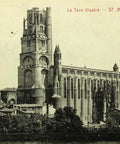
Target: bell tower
[35, 56]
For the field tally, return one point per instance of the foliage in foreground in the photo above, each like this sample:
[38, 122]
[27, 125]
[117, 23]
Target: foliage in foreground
[113, 119]
[20, 123]
[65, 120]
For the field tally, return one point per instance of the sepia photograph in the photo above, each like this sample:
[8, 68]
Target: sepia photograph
[59, 72]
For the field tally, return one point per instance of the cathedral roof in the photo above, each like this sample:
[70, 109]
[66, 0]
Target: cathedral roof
[65, 67]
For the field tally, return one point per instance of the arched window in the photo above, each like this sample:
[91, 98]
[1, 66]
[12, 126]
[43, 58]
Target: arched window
[43, 61]
[28, 60]
[65, 89]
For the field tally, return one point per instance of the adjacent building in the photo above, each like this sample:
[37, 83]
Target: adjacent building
[9, 95]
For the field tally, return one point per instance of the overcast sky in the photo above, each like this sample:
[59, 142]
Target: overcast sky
[90, 39]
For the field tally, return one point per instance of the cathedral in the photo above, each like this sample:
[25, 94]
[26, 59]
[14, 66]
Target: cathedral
[43, 79]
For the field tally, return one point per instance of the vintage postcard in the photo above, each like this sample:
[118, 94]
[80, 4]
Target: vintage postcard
[59, 77]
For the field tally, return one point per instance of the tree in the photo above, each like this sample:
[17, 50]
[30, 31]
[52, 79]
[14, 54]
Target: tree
[20, 123]
[105, 94]
[113, 118]
[66, 120]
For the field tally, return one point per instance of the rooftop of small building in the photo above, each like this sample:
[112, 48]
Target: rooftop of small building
[28, 105]
[8, 89]
[27, 112]
[7, 110]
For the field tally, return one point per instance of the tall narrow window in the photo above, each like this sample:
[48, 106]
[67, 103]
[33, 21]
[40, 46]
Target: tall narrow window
[92, 88]
[104, 85]
[42, 43]
[28, 78]
[71, 88]
[41, 29]
[91, 84]
[94, 84]
[36, 17]
[30, 18]
[64, 87]
[57, 88]
[28, 43]
[117, 84]
[85, 90]
[78, 88]
[41, 18]
[98, 84]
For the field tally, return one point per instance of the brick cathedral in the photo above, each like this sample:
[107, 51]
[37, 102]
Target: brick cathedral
[43, 79]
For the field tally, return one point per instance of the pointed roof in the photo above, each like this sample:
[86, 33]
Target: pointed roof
[115, 67]
[57, 49]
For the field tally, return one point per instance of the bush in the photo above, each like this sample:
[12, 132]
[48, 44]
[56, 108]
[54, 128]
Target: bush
[66, 120]
[20, 123]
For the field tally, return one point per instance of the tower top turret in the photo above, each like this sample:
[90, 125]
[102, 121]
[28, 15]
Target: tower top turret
[57, 49]
[115, 68]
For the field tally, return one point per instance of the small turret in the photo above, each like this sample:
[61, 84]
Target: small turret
[115, 68]
[57, 49]
[57, 62]
[57, 70]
